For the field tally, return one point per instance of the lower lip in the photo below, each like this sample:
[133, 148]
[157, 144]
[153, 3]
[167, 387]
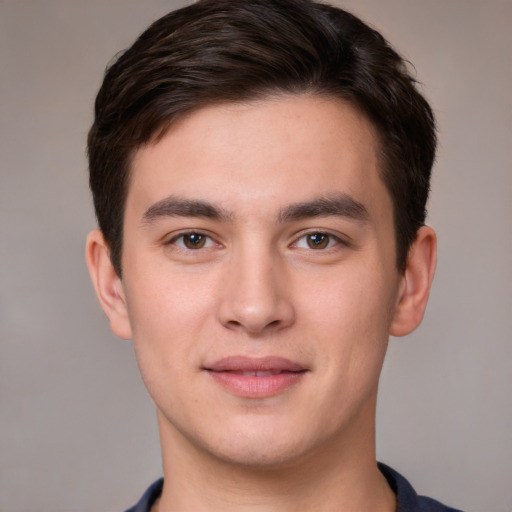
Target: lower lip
[249, 386]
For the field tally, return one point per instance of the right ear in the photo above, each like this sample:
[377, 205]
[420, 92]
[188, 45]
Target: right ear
[108, 285]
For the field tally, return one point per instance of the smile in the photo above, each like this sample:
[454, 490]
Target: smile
[255, 377]
[258, 373]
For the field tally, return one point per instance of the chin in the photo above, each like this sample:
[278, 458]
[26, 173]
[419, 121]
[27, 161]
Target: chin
[257, 456]
[271, 448]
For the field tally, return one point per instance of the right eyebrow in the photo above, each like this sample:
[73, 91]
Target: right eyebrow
[173, 206]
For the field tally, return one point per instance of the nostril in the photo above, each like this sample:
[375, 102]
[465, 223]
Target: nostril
[253, 328]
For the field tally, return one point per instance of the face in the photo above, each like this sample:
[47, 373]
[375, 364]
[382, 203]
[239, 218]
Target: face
[259, 277]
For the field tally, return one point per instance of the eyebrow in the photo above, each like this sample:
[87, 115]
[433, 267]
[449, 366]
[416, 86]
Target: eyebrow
[178, 207]
[340, 205]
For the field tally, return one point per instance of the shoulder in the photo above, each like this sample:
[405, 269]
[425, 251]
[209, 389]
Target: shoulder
[407, 499]
[149, 497]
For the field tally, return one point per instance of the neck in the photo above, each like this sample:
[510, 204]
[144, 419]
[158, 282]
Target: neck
[341, 475]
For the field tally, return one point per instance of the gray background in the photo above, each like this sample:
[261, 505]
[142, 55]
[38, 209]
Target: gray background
[77, 428]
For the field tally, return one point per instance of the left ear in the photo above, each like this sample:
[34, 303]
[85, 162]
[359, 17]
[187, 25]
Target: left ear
[415, 283]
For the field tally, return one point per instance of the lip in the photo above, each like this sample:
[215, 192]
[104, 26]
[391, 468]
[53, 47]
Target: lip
[255, 377]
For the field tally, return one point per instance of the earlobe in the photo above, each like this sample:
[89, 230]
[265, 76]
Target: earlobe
[416, 283]
[107, 284]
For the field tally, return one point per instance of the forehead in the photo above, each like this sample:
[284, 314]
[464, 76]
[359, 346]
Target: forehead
[284, 149]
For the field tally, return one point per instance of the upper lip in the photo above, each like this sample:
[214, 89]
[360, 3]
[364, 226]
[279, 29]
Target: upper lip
[247, 364]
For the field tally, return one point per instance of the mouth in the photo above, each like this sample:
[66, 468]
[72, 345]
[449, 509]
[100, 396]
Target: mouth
[256, 377]
[258, 373]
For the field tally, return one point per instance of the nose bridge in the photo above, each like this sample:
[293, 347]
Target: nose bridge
[255, 295]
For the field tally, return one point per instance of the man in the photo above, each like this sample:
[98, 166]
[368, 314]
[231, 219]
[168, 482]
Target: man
[260, 171]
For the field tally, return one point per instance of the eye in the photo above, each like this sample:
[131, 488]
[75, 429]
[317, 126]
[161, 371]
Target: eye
[192, 241]
[317, 241]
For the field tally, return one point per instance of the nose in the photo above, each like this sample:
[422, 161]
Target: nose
[256, 296]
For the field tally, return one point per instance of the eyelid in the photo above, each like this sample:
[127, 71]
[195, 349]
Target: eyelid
[170, 240]
[338, 238]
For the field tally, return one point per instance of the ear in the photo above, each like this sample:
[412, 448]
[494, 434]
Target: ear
[108, 285]
[415, 283]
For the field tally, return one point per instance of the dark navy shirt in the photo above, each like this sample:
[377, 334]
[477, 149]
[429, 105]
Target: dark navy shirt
[406, 497]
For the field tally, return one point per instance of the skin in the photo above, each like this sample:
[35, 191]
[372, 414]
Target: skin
[260, 287]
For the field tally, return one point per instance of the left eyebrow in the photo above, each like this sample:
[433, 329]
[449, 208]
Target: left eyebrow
[341, 205]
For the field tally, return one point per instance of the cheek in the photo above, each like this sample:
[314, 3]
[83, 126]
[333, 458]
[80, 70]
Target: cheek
[164, 300]
[168, 315]
[360, 299]
[352, 315]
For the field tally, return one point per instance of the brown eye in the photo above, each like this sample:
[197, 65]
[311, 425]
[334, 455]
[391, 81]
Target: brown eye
[317, 240]
[194, 240]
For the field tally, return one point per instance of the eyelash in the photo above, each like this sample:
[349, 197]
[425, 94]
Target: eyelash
[332, 241]
[208, 241]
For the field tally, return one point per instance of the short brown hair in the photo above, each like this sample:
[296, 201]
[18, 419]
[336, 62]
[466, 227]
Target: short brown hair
[238, 50]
